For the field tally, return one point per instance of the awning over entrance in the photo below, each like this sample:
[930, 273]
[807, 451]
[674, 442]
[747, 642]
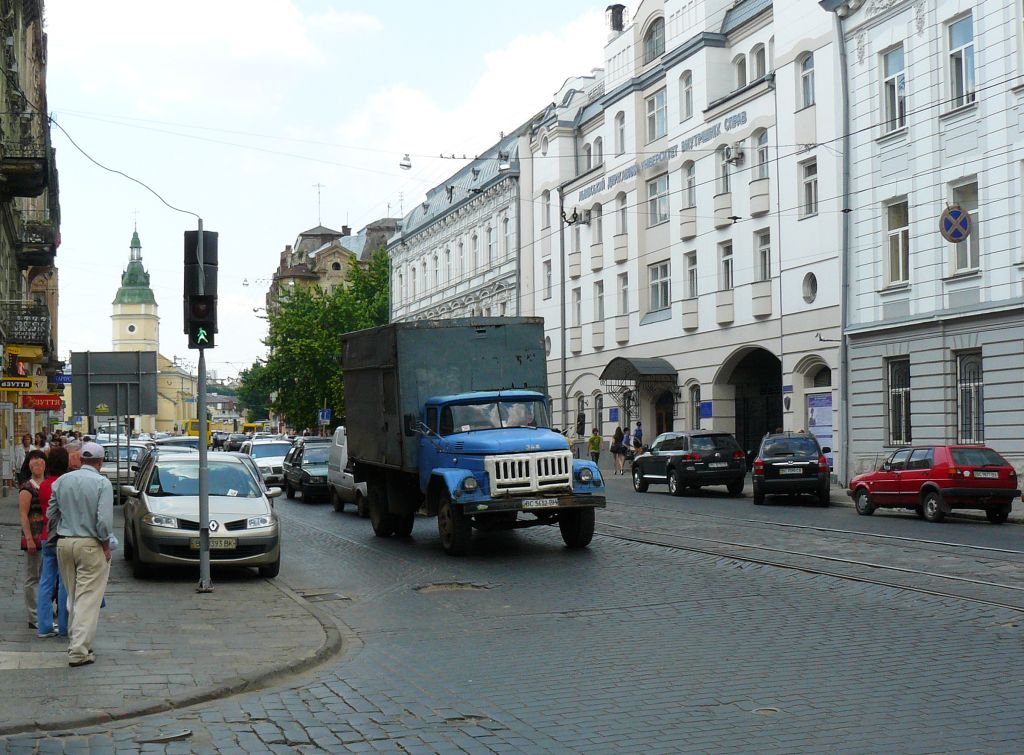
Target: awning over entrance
[650, 374]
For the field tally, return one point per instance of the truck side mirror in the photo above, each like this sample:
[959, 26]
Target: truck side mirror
[410, 423]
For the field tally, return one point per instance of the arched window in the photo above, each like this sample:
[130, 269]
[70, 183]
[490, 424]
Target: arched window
[437, 272]
[581, 417]
[462, 259]
[447, 265]
[475, 248]
[654, 41]
[492, 254]
[599, 413]
[620, 133]
[690, 184]
[412, 278]
[400, 291]
[761, 154]
[426, 280]
[823, 378]
[620, 214]
[588, 157]
[545, 209]
[806, 67]
[757, 57]
[335, 266]
[686, 96]
[506, 227]
[695, 407]
[739, 67]
[598, 151]
[596, 225]
[723, 169]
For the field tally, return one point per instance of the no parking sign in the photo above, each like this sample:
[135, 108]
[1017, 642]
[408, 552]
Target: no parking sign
[955, 224]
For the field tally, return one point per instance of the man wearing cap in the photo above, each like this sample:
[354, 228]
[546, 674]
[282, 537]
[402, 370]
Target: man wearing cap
[82, 510]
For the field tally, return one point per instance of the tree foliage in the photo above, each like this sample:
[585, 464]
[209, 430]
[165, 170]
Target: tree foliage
[302, 372]
[253, 392]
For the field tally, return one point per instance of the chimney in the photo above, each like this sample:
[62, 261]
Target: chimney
[615, 16]
[346, 231]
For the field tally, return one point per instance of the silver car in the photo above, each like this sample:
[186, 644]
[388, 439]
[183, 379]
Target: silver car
[269, 456]
[128, 462]
[161, 516]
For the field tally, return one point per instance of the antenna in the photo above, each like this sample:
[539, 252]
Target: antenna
[318, 186]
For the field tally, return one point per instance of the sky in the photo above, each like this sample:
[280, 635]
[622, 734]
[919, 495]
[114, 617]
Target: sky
[234, 110]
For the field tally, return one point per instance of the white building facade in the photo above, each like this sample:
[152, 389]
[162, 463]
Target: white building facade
[694, 280]
[935, 329]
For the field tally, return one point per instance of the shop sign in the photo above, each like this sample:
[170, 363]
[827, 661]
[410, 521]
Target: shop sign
[15, 384]
[101, 409]
[61, 379]
[48, 401]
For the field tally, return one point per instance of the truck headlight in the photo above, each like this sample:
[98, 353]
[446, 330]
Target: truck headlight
[470, 484]
[586, 475]
[161, 520]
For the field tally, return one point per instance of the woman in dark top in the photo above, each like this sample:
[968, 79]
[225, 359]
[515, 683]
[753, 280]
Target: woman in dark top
[49, 578]
[33, 529]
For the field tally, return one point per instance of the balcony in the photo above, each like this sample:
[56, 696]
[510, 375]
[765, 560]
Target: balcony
[25, 157]
[723, 210]
[724, 307]
[621, 242]
[759, 197]
[690, 320]
[687, 223]
[596, 256]
[26, 324]
[37, 243]
[761, 298]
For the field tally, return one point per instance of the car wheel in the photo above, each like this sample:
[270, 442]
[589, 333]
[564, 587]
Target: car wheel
[139, 569]
[128, 550]
[336, 502]
[302, 490]
[455, 529]
[289, 491]
[932, 510]
[862, 502]
[824, 498]
[639, 483]
[269, 571]
[577, 527]
[998, 516]
[736, 487]
[758, 496]
[675, 487]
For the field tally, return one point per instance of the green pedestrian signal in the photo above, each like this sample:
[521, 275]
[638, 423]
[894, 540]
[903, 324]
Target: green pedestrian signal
[202, 321]
[201, 336]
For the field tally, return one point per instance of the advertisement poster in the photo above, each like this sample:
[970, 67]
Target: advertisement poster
[819, 420]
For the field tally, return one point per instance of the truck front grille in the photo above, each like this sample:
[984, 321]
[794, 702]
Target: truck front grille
[529, 473]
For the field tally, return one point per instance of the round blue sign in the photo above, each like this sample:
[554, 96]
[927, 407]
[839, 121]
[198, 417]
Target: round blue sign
[955, 224]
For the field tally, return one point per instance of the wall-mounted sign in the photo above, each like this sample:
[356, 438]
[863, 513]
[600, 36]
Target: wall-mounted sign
[61, 379]
[15, 384]
[101, 409]
[46, 401]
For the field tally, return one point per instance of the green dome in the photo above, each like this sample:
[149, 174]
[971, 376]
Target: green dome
[135, 280]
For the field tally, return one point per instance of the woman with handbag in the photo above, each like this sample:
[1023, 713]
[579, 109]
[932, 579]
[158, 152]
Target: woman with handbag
[618, 451]
[33, 529]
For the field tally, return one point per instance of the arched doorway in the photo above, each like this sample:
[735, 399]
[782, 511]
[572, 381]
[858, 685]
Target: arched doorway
[757, 381]
[664, 413]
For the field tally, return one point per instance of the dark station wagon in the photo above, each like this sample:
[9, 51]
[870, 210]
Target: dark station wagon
[791, 463]
[691, 460]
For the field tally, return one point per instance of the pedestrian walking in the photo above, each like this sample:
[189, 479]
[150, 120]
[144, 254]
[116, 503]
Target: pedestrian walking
[82, 510]
[638, 434]
[49, 577]
[74, 449]
[618, 450]
[33, 526]
[594, 445]
[18, 460]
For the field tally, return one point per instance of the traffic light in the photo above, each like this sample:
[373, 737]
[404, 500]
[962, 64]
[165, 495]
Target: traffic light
[201, 321]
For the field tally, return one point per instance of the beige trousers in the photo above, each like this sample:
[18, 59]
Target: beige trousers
[85, 570]
[33, 567]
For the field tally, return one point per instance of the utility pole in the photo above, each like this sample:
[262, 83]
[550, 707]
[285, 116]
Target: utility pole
[205, 581]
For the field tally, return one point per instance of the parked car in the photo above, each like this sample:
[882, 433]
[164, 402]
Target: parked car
[127, 461]
[305, 468]
[234, 441]
[691, 460]
[791, 463]
[269, 456]
[179, 440]
[161, 515]
[344, 488]
[935, 480]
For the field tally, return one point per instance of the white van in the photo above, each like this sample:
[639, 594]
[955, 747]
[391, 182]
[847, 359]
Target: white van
[339, 476]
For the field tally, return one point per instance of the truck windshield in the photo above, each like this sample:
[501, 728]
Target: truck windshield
[492, 415]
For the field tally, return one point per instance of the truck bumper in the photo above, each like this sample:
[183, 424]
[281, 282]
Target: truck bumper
[538, 503]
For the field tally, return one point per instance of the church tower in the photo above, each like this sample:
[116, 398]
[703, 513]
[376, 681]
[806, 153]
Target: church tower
[136, 324]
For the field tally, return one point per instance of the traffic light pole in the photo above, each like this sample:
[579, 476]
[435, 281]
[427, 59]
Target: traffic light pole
[205, 582]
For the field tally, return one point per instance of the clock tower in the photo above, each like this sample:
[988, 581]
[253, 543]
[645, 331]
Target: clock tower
[136, 324]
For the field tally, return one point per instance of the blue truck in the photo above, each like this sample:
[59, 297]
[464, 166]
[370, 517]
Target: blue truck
[451, 418]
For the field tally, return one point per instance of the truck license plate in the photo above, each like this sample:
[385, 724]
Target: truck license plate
[540, 503]
[216, 543]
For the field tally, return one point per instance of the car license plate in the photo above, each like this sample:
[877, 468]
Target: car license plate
[987, 475]
[791, 470]
[216, 543]
[540, 503]
[718, 465]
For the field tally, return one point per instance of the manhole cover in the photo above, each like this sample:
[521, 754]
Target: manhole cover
[451, 587]
[766, 711]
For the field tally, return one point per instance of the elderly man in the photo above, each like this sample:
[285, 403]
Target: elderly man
[74, 449]
[82, 511]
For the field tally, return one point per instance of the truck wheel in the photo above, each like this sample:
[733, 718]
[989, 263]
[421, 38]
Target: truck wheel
[361, 508]
[639, 483]
[862, 502]
[404, 524]
[336, 502]
[932, 510]
[675, 487]
[382, 521]
[454, 527]
[998, 516]
[577, 526]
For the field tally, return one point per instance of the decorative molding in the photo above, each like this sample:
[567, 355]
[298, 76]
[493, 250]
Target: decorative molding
[920, 12]
[879, 6]
[862, 43]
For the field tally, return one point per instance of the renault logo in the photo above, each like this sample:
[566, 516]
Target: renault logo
[214, 525]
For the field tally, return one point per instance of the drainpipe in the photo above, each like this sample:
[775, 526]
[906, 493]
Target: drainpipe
[844, 349]
[519, 244]
[561, 294]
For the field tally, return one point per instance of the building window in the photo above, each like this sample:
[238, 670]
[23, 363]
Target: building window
[968, 253]
[657, 200]
[739, 67]
[426, 280]
[809, 188]
[807, 80]
[462, 259]
[690, 184]
[658, 280]
[686, 96]
[576, 235]
[623, 293]
[447, 265]
[596, 224]
[621, 214]
[654, 41]
[961, 61]
[412, 277]
[588, 158]
[899, 402]
[545, 209]
[620, 133]
[657, 124]
[725, 282]
[764, 255]
[894, 89]
[970, 400]
[760, 67]
[492, 254]
[598, 151]
[401, 292]
[475, 244]
[599, 301]
[761, 154]
[506, 226]
[695, 407]
[547, 279]
[577, 307]
[691, 275]
[897, 223]
[722, 163]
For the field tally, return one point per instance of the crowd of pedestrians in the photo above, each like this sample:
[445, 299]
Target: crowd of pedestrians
[624, 446]
[66, 510]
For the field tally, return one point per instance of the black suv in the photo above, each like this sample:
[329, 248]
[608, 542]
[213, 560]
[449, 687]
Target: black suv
[691, 460]
[305, 468]
[791, 463]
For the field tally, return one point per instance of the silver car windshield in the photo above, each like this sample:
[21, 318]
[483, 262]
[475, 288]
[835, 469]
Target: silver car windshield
[180, 477]
[269, 450]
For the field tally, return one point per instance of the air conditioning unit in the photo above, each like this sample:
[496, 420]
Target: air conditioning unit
[734, 153]
[585, 217]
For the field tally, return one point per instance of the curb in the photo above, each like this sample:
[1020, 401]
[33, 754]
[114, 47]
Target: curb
[337, 637]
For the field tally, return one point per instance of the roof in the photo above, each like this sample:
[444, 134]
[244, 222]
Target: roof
[134, 286]
[634, 368]
[743, 11]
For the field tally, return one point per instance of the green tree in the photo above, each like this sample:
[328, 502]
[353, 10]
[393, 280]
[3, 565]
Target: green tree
[253, 392]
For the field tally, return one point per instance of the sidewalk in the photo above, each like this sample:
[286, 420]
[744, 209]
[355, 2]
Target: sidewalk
[160, 645]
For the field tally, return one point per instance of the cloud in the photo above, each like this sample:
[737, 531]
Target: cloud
[342, 23]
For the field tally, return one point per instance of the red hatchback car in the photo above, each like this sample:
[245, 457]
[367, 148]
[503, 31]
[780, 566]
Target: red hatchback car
[934, 480]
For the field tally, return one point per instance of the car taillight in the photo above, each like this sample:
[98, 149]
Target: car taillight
[689, 457]
[738, 455]
[955, 472]
[822, 464]
[758, 466]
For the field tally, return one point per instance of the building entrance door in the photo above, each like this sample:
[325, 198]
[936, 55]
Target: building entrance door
[664, 413]
[757, 380]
